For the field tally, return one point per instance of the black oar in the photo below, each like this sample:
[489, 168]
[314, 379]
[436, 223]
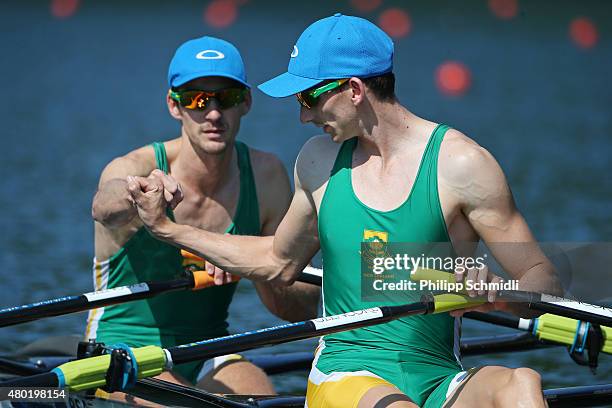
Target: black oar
[152, 360]
[90, 373]
[72, 304]
[599, 395]
[78, 303]
[284, 362]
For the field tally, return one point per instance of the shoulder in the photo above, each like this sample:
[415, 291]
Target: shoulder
[315, 161]
[272, 185]
[462, 158]
[139, 162]
[469, 172]
[269, 172]
[265, 163]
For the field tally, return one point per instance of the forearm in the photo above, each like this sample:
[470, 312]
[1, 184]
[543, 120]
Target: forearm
[300, 301]
[525, 261]
[247, 256]
[112, 205]
[541, 278]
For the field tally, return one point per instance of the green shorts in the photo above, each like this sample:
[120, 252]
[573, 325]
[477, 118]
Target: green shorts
[427, 381]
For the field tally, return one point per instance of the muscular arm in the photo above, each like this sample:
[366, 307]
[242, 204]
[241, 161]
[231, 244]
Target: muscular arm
[112, 204]
[484, 197]
[276, 259]
[300, 300]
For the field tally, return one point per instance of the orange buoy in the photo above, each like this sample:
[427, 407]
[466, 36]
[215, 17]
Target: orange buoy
[64, 8]
[504, 9]
[221, 13]
[583, 32]
[365, 6]
[395, 22]
[453, 78]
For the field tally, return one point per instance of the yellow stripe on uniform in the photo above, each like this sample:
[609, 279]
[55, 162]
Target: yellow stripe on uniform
[341, 390]
[95, 314]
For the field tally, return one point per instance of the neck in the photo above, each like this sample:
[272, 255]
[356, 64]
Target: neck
[387, 128]
[201, 171]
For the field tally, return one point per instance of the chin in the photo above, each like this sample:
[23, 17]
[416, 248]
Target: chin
[215, 146]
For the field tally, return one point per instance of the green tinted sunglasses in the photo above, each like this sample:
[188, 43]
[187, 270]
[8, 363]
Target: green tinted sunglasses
[310, 98]
[200, 99]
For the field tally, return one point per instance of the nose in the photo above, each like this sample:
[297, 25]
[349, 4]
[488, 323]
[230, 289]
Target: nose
[213, 110]
[305, 114]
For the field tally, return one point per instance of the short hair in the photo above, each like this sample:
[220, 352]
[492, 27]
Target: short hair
[382, 86]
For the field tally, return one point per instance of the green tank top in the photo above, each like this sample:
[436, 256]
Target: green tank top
[414, 343]
[173, 318]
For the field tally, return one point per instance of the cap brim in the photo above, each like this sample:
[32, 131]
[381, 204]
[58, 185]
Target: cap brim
[287, 84]
[194, 75]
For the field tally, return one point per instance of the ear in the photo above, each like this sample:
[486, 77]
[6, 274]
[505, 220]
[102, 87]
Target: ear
[357, 88]
[173, 108]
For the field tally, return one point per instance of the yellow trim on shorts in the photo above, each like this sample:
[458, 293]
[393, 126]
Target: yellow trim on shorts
[93, 314]
[343, 393]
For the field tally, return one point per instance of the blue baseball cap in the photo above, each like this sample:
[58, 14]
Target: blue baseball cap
[206, 56]
[332, 48]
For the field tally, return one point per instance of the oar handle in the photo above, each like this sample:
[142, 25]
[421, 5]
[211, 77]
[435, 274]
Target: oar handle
[566, 331]
[202, 280]
[90, 372]
[433, 275]
[447, 302]
[607, 334]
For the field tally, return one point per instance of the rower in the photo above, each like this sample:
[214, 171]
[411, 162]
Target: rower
[227, 186]
[381, 174]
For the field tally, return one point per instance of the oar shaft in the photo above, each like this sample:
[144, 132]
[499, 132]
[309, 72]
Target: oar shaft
[88, 373]
[511, 322]
[73, 304]
[561, 306]
[296, 331]
[48, 379]
[581, 396]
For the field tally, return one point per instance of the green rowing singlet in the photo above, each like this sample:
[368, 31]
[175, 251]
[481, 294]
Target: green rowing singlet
[178, 317]
[416, 354]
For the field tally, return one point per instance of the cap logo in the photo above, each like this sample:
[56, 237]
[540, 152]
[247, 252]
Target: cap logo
[210, 54]
[295, 51]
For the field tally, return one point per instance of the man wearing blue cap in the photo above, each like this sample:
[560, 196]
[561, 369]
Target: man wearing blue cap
[382, 175]
[227, 187]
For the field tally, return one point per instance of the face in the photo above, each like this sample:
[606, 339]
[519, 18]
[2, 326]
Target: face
[213, 129]
[334, 112]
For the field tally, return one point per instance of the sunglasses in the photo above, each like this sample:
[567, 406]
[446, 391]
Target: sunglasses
[310, 98]
[200, 100]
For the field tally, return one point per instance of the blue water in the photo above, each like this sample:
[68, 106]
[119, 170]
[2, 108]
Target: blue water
[81, 91]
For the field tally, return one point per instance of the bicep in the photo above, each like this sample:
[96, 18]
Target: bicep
[121, 167]
[486, 200]
[296, 237]
[111, 203]
[492, 212]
